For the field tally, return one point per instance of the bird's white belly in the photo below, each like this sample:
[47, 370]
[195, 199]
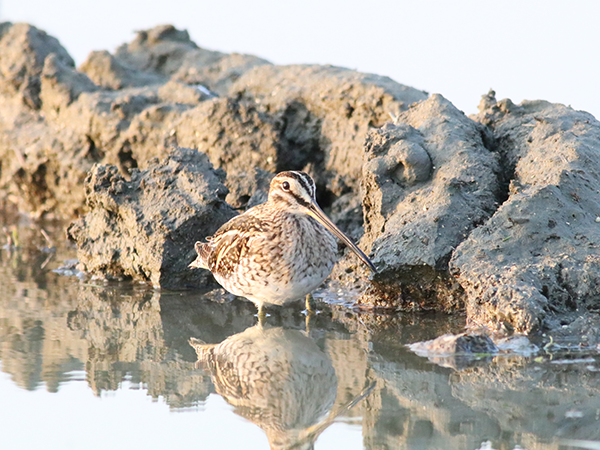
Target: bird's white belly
[277, 290]
[278, 293]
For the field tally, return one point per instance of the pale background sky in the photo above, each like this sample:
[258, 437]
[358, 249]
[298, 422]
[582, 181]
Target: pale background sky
[523, 49]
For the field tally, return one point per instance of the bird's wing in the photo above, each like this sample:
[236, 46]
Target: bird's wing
[230, 242]
[248, 222]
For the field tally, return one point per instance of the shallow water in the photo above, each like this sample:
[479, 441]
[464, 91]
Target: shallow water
[86, 364]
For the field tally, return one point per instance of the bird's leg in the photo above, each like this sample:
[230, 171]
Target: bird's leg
[262, 315]
[311, 306]
[311, 310]
[307, 323]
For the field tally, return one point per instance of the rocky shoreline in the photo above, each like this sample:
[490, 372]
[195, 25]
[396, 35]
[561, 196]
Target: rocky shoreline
[153, 147]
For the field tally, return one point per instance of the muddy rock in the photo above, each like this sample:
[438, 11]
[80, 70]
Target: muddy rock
[457, 351]
[234, 135]
[535, 262]
[428, 180]
[168, 52]
[61, 85]
[114, 123]
[248, 189]
[450, 344]
[220, 75]
[161, 90]
[238, 138]
[295, 118]
[24, 49]
[180, 93]
[40, 166]
[145, 228]
[128, 118]
[325, 113]
[107, 71]
[310, 118]
[46, 156]
[160, 50]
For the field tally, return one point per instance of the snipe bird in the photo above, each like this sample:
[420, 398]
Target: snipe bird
[277, 252]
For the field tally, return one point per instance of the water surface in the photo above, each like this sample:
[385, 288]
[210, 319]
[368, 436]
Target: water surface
[89, 364]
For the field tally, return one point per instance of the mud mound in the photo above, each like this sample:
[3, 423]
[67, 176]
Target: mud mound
[145, 229]
[428, 180]
[537, 257]
[162, 90]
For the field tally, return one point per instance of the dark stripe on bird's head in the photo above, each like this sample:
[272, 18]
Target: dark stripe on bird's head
[305, 181]
[300, 200]
[279, 196]
[293, 187]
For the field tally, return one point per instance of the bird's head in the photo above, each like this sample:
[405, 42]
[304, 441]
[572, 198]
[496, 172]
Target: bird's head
[295, 192]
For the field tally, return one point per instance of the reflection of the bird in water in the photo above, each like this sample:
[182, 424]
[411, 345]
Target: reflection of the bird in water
[278, 379]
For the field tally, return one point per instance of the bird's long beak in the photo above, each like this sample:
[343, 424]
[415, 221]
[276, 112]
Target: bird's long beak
[317, 213]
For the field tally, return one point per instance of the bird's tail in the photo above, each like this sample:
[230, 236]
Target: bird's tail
[203, 250]
[203, 350]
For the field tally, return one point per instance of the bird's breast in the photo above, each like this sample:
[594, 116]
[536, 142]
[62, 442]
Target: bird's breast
[311, 250]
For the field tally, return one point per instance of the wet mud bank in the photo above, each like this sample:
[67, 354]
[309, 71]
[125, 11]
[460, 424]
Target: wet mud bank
[152, 148]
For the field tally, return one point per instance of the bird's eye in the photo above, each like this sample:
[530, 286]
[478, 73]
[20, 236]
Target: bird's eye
[285, 186]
